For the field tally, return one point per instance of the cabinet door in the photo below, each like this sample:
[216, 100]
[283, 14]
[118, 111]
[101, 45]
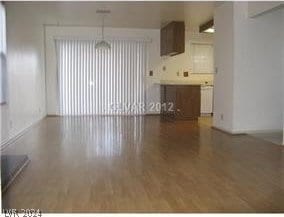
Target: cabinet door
[188, 102]
[163, 41]
[163, 99]
[170, 102]
[179, 38]
[170, 39]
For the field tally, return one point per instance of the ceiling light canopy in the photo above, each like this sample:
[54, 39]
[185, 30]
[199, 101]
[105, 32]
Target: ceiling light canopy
[207, 27]
[102, 44]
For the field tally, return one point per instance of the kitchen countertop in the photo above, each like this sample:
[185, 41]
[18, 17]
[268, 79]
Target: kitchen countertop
[171, 82]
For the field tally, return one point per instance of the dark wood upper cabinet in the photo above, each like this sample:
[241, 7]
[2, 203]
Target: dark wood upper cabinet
[173, 38]
[163, 42]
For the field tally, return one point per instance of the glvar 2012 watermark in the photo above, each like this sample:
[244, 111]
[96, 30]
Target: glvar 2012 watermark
[21, 213]
[141, 107]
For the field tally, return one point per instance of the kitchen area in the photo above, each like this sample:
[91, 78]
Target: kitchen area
[186, 74]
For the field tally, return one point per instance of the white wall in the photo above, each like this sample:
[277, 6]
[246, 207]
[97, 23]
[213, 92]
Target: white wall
[258, 8]
[258, 73]
[223, 79]
[256, 103]
[26, 78]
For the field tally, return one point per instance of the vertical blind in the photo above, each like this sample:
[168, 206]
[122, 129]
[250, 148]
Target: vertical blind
[101, 82]
[3, 57]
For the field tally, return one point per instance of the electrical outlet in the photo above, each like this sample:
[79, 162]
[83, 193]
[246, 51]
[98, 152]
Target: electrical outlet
[222, 117]
[216, 70]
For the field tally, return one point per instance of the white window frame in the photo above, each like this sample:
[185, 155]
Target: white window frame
[192, 43]
[3, 56]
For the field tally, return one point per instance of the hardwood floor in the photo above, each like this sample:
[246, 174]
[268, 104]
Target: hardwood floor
[275, 137]
[140, 164]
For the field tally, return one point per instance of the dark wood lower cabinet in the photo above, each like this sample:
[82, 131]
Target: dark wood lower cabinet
[180, 102]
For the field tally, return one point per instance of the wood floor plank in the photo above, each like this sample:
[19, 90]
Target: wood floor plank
[143, 164]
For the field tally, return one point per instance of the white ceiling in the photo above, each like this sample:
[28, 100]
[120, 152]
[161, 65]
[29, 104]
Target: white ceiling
[123, 14]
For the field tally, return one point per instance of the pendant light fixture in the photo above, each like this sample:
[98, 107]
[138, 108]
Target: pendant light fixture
[102, 44]
[207, 27]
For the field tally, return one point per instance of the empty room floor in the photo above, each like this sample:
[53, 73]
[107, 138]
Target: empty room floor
[143, 164]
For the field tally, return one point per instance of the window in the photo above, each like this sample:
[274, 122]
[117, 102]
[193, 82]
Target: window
[3, 56]
[202, 58]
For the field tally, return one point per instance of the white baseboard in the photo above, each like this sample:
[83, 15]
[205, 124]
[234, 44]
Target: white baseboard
[241, 132]
[228, 131]
[265, 131]
[19, 134]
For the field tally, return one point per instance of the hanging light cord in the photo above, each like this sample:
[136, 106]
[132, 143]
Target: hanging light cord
[103, 32]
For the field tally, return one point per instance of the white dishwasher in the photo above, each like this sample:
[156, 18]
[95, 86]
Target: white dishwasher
[206, 99]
